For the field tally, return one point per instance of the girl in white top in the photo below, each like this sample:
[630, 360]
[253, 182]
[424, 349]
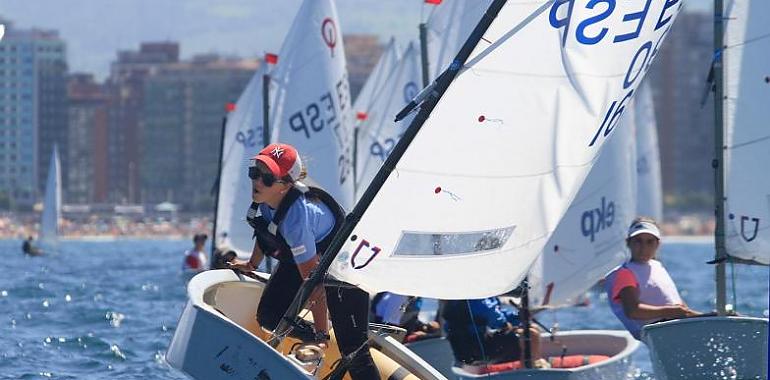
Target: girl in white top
[641, 290]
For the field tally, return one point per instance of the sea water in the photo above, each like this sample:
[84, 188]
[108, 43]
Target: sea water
[108, 309]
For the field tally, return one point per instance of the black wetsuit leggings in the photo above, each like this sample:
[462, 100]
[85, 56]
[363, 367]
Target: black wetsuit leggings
[348, 311]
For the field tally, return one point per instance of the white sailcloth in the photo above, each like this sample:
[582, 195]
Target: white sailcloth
[747, 135]
[378, 134]
[311, 108]
[242, 140]
[649, 191]
[377, 78]
[590, 239]
[449, 25]
[49, 221]
[482, 186]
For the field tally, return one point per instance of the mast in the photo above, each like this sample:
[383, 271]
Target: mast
[435, 92]
[526, 318]
[265, 109]
[424, 53]
[266, 124]
[228, 107]
[720, 255]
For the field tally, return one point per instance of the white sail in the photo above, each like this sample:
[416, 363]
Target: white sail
[311, 108]
[49, 221]
[377, 78]
[591, 238]
[242, 140]
[449, 25]
[378, 134]
[481, 187]
[747, 135]
[649, 191]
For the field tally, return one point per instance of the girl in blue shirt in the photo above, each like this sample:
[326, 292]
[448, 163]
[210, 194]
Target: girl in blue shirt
[294, 224]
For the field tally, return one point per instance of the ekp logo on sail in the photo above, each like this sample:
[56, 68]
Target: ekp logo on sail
[594, 221]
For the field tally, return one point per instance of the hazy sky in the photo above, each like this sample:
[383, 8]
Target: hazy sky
[95, 29]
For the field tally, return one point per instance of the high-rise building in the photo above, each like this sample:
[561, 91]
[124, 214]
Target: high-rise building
[182, 122]
[87, 173]
[361, 53]
[685, 125]
[126, 88]
[33, 109]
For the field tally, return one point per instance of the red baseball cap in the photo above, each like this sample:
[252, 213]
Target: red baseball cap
[282, 160]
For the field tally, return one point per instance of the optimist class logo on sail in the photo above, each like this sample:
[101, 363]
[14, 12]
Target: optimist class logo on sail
[329, 34]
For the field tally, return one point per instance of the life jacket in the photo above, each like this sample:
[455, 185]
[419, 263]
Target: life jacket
[192, 262]
[268, 234]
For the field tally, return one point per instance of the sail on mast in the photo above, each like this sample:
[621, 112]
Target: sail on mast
[311, 108]
[242, 140]
[378, 134]
[746, 133]
[649, 191]
[505, 148]
[449, 26]
[377, 78]
[49, 220]
[590, 239]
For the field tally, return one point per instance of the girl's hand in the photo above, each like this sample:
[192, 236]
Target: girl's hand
[241, 265]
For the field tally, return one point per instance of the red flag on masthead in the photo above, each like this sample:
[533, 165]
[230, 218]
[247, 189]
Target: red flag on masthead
[434, 2]
[271, 58]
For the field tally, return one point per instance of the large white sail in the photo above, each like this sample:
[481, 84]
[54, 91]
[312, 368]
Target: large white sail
[242, 140]
[377, 79]
[49, 221]
[449, 25]
[747, 135]
[311, 108]
[591, 238]
[483, 184]
[649, 191]
[378, 134]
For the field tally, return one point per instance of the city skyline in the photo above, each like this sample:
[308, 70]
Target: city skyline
[241, 28]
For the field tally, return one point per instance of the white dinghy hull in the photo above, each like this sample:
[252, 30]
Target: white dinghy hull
[218, 337]
[708, 348]
[618, 345]
[209, 345]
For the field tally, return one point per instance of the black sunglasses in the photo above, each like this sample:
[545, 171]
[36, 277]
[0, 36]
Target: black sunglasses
[267, 178]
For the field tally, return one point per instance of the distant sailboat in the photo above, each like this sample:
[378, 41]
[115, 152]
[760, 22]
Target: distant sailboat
[727, 346]
[51, 215]
[310, 101]
[649, 191]
[242, 139]
[377, 79]
[311, 110]
[378, 133]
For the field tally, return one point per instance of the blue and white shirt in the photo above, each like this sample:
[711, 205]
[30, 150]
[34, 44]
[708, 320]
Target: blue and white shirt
[305, 224]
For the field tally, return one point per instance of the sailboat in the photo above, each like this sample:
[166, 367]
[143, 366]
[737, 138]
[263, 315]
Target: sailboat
[649, 192]
[222, 304]
[727, 346]
[241, 139]
[378, 134]
[51, 215]
[495, 135]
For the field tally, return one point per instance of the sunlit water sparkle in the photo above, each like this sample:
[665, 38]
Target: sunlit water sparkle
[96, 310]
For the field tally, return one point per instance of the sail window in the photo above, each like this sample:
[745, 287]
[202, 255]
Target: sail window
[443, 244]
